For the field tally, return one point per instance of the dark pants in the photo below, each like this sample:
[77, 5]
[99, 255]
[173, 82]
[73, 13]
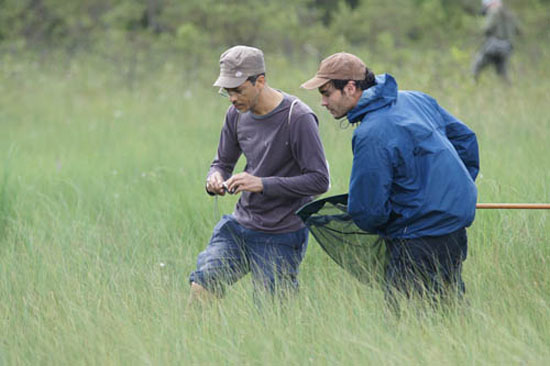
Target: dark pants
[428, 267]
[494, 52]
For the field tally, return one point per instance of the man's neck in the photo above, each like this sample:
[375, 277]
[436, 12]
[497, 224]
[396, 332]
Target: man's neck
[268, 100]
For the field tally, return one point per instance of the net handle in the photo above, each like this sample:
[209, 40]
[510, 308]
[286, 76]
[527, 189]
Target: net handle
[521, 206]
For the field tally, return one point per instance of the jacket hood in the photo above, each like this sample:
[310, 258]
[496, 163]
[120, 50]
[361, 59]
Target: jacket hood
[375, 97]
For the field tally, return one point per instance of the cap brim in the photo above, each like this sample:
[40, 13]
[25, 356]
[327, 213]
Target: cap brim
[314, 83]
[229, 82]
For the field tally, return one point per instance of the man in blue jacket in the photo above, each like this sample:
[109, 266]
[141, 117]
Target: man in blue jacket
[412, 180]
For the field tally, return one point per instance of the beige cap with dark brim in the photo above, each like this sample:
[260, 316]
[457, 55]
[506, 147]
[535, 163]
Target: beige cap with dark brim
[239, 63]
[314, 83]
[229, 81]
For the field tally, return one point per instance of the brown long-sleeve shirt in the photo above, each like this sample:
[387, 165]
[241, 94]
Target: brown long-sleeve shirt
[287, 155]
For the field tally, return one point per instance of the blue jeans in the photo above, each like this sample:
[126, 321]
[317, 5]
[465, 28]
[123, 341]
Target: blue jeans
[234, 251]
[430, 267]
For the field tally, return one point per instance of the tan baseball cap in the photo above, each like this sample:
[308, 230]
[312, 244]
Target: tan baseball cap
[237, 64]
[340, 66]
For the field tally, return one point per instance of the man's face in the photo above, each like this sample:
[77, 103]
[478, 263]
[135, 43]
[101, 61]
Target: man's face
[245, 96]
[337, 102]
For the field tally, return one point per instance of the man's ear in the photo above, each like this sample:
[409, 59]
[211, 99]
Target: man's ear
[350, 87]
[261, 80]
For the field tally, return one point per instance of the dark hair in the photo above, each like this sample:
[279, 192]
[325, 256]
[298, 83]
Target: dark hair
[252, 79]
[361, 84]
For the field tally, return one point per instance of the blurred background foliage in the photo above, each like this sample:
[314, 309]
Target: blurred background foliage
[140, 36]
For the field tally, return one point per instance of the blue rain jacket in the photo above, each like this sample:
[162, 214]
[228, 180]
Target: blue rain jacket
[414, 165]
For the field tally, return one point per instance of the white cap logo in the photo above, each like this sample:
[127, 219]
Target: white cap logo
[238, 74]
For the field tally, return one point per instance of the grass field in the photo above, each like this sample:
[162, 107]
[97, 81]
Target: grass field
[103, 212]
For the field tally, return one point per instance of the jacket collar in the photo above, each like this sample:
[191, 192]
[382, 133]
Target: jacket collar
[375, 97]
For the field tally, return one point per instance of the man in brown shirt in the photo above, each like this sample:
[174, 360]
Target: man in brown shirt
[285, 168]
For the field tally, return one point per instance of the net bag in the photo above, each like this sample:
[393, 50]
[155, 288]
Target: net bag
[361, 254]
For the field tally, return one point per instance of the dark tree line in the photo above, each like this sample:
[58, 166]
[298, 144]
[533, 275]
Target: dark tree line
[287, 26]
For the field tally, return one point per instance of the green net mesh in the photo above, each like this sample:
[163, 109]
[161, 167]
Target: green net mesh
[358, 252]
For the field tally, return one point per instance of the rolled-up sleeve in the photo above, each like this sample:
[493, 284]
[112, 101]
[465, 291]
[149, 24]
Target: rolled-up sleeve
[229, 151]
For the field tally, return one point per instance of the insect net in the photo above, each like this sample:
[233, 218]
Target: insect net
[361, 254]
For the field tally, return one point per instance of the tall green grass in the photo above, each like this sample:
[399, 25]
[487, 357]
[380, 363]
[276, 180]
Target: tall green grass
[103, 212]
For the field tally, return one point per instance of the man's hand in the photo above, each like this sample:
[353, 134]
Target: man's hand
[214, 184]
[244, 182]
